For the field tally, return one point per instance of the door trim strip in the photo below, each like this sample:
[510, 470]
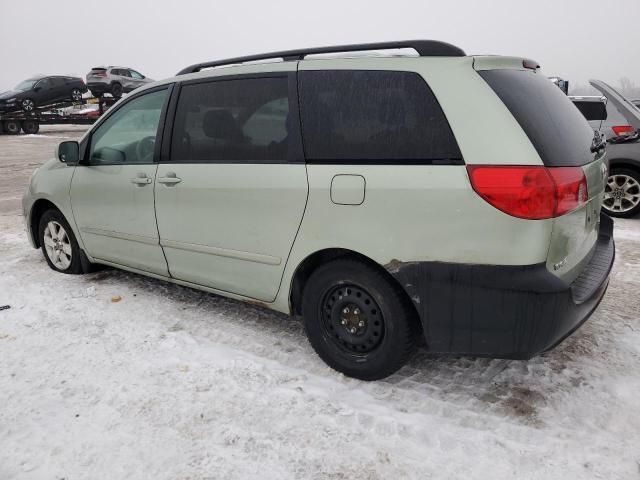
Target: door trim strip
[222, 252]
[122, 236]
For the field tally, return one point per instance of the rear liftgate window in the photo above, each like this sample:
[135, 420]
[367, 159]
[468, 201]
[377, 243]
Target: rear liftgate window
[373, 117]
[556, 128]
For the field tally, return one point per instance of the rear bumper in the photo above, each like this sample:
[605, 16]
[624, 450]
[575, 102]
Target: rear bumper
[98, 87]
[504, 311]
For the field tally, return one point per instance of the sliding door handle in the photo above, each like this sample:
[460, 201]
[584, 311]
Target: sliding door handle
[170, 179]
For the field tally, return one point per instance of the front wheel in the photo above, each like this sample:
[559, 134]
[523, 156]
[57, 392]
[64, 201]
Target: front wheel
[28, 105]
[58, 243]
[357, 320]
[622, 193]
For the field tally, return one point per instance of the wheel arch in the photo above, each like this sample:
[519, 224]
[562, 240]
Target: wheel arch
[37, 210]
[307, 266]
[631, 163]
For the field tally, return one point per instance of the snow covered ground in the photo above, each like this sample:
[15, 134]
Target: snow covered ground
[172, 383]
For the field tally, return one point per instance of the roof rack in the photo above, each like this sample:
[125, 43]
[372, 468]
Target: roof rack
[425, 48]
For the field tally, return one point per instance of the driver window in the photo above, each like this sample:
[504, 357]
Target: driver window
[44, 83]
[128, 135]
[135, 75]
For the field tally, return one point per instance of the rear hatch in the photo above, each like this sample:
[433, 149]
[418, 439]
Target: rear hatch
[593, 109]
[97, 74]
[563, 138]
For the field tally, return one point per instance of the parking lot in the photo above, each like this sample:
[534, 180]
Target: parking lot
[175, 383]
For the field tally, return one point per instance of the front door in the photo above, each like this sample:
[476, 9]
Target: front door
[230, 198]
[112, 193]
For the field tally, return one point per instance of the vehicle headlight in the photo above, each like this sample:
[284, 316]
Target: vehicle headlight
[11, 100]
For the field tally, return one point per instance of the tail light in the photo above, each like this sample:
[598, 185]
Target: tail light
[530, 192]
[99, 74]
[623, 130]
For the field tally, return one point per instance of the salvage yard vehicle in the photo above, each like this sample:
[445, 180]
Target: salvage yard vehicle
[323, 187]
[41, 92]
[619, 120]
[114, 80]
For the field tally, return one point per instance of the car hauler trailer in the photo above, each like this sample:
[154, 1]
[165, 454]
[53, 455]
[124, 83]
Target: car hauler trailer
[13, 123]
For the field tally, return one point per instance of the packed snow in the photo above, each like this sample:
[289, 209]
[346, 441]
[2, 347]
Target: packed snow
[173, 383]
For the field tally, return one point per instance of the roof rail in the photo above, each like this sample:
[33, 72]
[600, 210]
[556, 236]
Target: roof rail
[425, 48]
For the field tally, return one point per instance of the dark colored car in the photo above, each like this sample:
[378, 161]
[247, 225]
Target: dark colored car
[619, 121]
[41, 92]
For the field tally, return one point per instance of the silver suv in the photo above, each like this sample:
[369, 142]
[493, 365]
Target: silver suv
[369, 195]
[114, 80]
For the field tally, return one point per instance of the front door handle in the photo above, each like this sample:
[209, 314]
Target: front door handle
[141, 180]
[170, 179]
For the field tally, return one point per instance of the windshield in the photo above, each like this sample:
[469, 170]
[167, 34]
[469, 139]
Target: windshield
[25, 85]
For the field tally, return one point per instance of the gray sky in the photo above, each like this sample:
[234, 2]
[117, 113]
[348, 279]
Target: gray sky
[160, 37]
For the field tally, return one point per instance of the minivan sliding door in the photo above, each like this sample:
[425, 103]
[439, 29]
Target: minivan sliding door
[231, 192]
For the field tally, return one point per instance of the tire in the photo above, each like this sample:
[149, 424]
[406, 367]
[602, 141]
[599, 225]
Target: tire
[622, 193]
[28, 105]
[12, 127]
[30, 127]
[58, 244]
[76, 95]
[116, 90]
[358, 321]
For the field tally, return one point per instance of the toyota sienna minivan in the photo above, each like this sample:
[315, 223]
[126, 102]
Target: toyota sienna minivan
[367, 194]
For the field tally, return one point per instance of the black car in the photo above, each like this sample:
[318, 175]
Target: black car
[41, 92]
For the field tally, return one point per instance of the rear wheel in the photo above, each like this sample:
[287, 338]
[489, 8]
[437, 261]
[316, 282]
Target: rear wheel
[76, 95]
[357, 320]
[622, 193]
[116, 90]
[30, 127]
[28, 105]
[58, 243]
[12, 127]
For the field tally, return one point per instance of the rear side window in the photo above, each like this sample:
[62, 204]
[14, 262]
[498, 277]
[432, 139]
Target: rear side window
[557, 130]
[373, 117]
[248, 120]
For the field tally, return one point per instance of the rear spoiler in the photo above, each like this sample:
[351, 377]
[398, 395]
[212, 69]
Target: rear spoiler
[497, 62]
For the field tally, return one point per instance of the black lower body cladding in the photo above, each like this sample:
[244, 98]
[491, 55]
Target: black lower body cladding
[504, 311]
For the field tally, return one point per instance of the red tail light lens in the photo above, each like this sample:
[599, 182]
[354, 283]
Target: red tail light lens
[533, 192]
[623, 130]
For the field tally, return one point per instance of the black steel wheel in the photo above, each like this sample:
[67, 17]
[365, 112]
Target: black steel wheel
[358, 320]
[352, 319]
[12, 127]
[76, 95]
[30, 127]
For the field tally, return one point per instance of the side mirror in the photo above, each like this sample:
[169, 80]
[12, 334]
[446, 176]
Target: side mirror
[37, 89]
[68, 152]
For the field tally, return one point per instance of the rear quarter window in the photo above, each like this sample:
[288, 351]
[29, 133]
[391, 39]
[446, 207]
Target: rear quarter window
[556, 128]
[352, 116]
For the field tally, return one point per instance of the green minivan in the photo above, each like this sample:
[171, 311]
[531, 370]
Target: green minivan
[414, 191]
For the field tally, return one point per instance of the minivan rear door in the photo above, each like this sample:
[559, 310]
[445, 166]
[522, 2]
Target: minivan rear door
[563, 138]
[231, 187]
